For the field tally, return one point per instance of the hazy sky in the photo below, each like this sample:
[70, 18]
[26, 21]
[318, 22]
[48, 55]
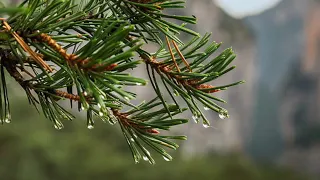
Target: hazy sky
[243, 8]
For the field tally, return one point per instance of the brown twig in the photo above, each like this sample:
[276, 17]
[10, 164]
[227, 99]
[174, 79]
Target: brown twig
[72, 58]
[204, 87]
[67, 95]
[123, 118]
[168, 71]
[181, 55]
[172, 55]
[73, 97]
[25, 46]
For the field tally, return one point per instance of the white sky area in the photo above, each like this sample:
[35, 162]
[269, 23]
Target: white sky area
[242, 8]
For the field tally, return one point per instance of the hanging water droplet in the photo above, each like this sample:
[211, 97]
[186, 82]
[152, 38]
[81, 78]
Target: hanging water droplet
[145, 158]
[223, 114]
[99, 106]
[131, 139]
[136, 161]
[7, 120]
[195, 118]
[139, 84]
[85, 93]
[206, 125]
[57, 127]
[84, 106]
[206, 108]
[101, 114]
[90, 126]
[166, 158]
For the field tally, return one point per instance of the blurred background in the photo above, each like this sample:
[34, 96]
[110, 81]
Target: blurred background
[274, 127]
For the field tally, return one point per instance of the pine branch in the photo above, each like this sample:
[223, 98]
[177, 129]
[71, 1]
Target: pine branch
[63, 50]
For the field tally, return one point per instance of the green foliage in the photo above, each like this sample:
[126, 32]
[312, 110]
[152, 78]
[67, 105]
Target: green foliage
[83, 50]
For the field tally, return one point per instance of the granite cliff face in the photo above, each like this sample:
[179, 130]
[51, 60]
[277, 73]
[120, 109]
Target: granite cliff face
[275, 115]
[279, 37]
[301, 99]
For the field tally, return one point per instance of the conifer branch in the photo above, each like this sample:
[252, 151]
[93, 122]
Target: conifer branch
[58, 49]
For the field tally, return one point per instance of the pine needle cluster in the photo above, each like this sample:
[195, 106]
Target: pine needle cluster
[81, 51]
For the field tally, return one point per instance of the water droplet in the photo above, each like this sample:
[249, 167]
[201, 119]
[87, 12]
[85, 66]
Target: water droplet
[85, 93]
[223, 114]
[84, 106]
[101, 114]
[90, 126]
[127, 98]
[131, 139]
[99, 105]
[136, 161]
[57, 127]
[7, 120]
[166, 158]
[206, 125]
[206, 108]
[145, 158]
[195, 118]
[139, 84]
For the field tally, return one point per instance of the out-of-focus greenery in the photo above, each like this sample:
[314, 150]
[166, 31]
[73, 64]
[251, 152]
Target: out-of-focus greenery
[31, 149]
